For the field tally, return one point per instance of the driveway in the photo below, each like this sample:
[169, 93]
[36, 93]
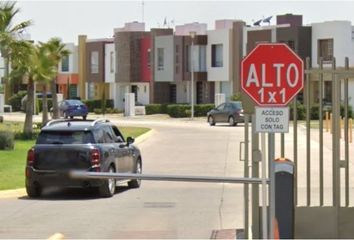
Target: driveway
[157, 209]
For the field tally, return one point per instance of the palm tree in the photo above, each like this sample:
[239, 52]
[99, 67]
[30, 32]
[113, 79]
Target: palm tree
[50, 67]
[8, 32]
[21, 55]
[33, 63]
[57, 52]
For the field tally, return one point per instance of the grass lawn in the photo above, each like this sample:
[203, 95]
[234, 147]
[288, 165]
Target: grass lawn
[12, 170]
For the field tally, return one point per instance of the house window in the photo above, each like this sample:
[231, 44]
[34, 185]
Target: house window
[160, 59]
[325, 49]
[111, 62]
[65, 64]
[188, 60]
[202, 59]
[216, 55]
[94, 62]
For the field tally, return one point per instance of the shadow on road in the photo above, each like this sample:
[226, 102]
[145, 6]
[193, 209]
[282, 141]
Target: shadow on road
[227, 125]
[67, 194]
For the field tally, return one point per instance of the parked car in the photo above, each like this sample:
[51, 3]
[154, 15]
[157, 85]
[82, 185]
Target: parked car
[230, 112]
[94, 146]
[72, 108]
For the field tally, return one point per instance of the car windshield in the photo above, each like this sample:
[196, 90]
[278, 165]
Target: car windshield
[74, 102]
[65, 137]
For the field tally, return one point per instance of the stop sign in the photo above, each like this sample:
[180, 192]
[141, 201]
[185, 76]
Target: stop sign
[272, 74]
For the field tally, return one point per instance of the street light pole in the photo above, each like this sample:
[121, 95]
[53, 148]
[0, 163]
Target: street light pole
[192, 34]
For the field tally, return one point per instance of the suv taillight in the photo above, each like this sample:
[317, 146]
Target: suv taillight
[30, 157]
[95, 157]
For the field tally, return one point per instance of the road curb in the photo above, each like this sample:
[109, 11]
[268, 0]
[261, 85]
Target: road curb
[143, 137]
[13, 193]
[56, 236]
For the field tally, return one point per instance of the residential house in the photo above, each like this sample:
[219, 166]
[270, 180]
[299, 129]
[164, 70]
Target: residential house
[332, 39]
[68, 75]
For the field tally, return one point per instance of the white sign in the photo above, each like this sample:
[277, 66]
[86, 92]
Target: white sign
[272, 119]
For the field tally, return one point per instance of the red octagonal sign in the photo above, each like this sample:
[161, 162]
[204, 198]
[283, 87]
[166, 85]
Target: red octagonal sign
[272, 74]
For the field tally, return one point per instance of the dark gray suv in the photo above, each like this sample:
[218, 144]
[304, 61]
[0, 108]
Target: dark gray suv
[96, 146]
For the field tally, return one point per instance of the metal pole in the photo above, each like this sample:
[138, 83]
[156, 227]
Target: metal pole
[336, 145]
[264, 187]
[271, 149]
[160, 177]
[346, 135]
[295, 150]
[246, 175]
[308, 137]
[256, 158]
[282, 145]
[321, 131]
[192, 79]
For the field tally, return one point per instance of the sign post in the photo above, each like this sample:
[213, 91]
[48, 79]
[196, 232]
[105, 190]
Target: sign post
[272, 75]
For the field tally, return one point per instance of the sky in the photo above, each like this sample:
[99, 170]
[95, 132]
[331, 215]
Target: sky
[97, 19]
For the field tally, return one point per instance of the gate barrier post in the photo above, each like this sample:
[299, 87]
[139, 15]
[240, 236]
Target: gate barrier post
[284, 197]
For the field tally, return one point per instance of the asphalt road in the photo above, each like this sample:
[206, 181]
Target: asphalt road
[157, 209]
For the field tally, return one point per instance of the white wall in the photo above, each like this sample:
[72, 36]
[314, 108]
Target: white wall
[224, 88]
[184, 30]
[143, 93]
[222, 36]
[119, 94]
[182, 91]
[343, 44]
[167, 43]
[109, 76]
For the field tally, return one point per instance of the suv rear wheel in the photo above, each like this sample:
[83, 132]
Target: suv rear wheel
[108, 187]
[33, 190]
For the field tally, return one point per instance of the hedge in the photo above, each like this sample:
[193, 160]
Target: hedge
[92, 104]
[15, 100]
[40, 104]
[315, 112]
[7, 140]
[178, 110]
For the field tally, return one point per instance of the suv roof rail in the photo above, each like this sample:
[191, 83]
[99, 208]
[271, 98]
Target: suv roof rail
[51, 122]
[54, 121]
[100, 120]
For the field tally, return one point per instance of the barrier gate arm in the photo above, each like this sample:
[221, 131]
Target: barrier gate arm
[158, 177]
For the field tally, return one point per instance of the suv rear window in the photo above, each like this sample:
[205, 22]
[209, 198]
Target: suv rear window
[65, 137]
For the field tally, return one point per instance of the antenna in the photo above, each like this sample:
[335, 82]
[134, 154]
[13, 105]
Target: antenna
[142, 9]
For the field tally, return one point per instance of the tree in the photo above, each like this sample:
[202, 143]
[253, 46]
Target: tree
[49, 66]
[8, 33]
[33, 63]
[57, 52]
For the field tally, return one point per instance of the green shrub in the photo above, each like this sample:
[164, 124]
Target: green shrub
[153, 109]
[97, 111]
[92, 104]
[301, 111]
[200, 110]
[178, 110]
[15, 100]
[350, 111]
[25, 136]
[40, 104]
[7, 140]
